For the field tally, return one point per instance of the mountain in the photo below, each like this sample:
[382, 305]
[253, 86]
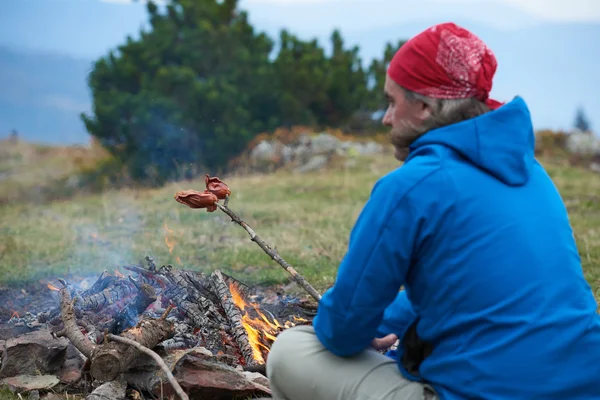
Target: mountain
[42, 96]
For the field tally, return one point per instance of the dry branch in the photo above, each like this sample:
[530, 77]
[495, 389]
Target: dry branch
[272, 253]
[156, 358]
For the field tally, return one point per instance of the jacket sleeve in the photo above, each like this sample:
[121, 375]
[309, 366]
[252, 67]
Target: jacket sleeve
[373, 270]
[397, 317]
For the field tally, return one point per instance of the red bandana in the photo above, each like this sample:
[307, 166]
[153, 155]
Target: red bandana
[446, 62]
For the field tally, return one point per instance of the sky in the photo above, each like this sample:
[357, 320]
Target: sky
[95, 33]
[547, 50]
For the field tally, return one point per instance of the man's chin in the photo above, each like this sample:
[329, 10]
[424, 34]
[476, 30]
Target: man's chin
[401, 153]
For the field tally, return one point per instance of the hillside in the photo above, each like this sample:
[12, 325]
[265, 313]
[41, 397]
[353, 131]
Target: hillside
[30, 170]
[307, 217]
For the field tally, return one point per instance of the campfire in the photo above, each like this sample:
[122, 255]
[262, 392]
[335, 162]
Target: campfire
[145, 330]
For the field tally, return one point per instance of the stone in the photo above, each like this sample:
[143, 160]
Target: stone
[201, 376]
[324, 143]
[53, 396]
[269, 154]
[354, 149]
[583, 143]
[263, 151]
[115, 389]
[34, 353]
[26, 383]
[315, 163]
[372, 148]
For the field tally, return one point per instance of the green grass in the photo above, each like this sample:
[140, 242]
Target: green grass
[306, 217]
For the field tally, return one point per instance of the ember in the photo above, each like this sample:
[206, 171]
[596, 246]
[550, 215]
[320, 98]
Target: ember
[52, 287]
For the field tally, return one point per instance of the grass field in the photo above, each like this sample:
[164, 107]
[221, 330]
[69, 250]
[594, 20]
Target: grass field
[307, 218]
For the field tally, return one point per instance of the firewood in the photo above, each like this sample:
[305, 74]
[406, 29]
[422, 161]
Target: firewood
[113, 358]
[234, 316]
[103, 281]
[259, 368]
[156, 358]
[109, 360]
[146, 295]
[151, 277]
[185, 287]
[118, 289]
[71, 330]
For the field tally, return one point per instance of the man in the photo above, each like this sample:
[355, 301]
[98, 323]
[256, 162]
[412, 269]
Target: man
[496, 305]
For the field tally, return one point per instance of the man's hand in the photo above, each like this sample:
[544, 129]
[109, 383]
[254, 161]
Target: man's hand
[384, 342]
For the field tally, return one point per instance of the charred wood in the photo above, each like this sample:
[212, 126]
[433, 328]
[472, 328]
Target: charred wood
[128, 315]
[113, 358]
[234, 316]
[151, 264]
[119, 289]
[150, 277]
[260, 368]
[104, 281]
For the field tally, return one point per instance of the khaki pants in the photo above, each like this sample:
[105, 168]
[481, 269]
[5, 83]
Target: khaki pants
[300, 368]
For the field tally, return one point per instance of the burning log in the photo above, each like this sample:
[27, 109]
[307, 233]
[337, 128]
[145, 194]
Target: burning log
[184, 286]
[146, 295]
[103, 281]
[234, 316]
[149, 275]
[117, 289]
[113, 358]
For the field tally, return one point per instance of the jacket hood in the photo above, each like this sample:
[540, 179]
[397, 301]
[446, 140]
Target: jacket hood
[501, 142]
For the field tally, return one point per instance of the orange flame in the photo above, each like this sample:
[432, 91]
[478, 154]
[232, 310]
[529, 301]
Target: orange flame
[118, 274]
[170, 241]
[52, 287]
[259, 329]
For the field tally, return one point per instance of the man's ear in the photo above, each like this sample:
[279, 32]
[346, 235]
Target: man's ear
[424, 111]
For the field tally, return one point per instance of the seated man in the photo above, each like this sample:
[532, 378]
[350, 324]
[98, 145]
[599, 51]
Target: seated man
[496, 305]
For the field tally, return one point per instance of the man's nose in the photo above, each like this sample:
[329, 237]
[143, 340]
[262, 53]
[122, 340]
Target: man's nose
[387, 119]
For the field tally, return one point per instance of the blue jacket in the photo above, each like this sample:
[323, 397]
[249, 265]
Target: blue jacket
[476, 231]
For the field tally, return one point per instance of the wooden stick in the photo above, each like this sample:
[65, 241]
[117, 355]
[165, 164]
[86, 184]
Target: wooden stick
[156, 358]
[71, 330]
[299, 279]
